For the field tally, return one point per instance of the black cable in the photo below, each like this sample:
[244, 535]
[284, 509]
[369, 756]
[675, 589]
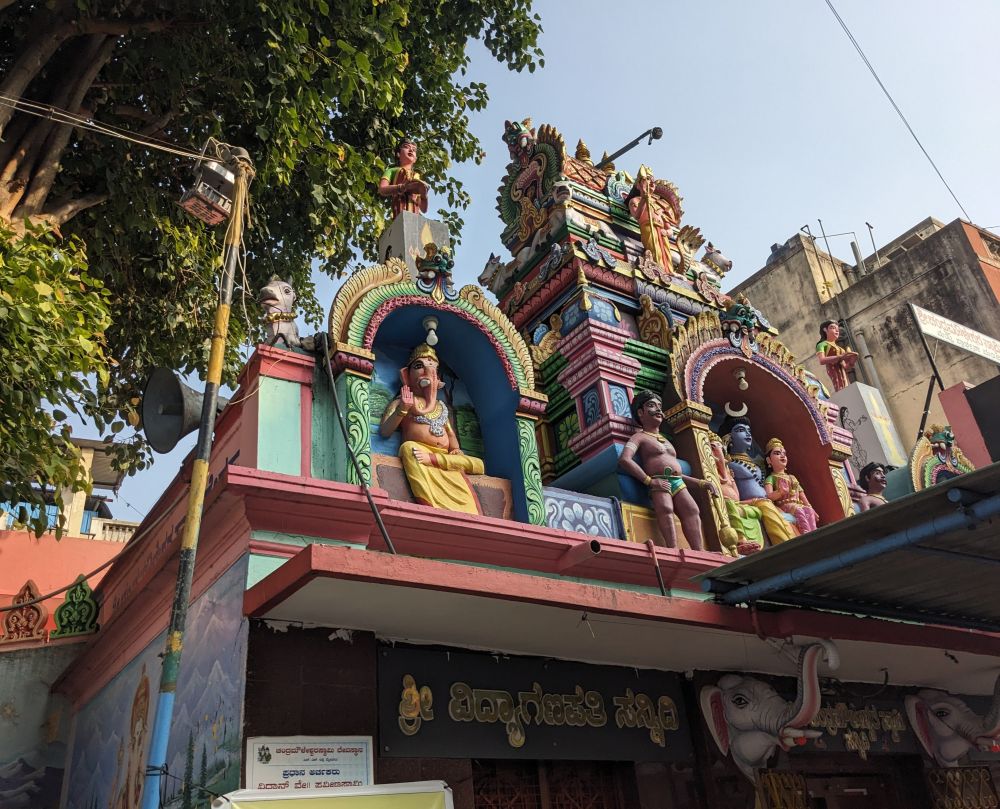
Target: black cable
[342, 421]
[163, 771]
[895, 106]
[132, 543]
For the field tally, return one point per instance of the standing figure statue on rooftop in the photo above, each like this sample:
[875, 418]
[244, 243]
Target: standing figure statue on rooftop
[750, 482]
[872, 480]
[658, 469]
[435, 466]
[838, 361]
[401, 183]
[785, 490]
[656, 207]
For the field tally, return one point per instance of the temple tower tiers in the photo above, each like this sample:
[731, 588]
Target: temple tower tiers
[609, 291]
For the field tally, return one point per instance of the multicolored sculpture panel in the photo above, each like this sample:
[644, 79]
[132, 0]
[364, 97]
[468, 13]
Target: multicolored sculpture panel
[435, 466]
[936, 458]
[750, 482]
[658, 469]
[785, 490]
[744, 519]
[838, 361]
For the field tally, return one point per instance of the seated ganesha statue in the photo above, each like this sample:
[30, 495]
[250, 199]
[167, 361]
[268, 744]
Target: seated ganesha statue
[434, 464]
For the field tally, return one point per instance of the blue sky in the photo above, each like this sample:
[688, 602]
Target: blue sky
[770, 121]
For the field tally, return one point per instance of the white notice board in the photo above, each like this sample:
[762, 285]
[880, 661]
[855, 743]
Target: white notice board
[290, 763]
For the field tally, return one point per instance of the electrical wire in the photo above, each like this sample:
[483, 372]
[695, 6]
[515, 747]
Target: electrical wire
[67, 118]
[342, 421]
[221, 150]
[895, 106]
[132, 543]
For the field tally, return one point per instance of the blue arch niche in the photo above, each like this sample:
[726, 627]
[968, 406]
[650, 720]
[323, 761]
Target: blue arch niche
[467, 351]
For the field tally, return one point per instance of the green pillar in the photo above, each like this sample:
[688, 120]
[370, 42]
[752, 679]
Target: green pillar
[531, 470]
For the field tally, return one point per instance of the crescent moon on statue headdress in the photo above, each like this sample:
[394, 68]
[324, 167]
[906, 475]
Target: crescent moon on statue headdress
[736, 413]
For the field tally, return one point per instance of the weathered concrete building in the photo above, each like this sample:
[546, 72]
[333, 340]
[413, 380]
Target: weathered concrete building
[952, 270]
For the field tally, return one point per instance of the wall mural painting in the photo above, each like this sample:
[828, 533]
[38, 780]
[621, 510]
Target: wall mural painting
[112, 730]
[33, 727]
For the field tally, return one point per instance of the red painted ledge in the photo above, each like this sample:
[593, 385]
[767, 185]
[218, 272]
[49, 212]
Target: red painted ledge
[324, 561]
[302, 505]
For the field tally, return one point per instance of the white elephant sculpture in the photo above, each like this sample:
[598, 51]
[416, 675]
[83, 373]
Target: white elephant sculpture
[749, 720]
[948, 728]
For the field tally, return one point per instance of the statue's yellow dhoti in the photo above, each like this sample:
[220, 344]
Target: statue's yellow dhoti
[443, 485]
[778, 529]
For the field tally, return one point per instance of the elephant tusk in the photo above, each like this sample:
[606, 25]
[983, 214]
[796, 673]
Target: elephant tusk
[830, 654]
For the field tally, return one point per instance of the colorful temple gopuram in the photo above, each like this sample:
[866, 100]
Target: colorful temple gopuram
[586, 536]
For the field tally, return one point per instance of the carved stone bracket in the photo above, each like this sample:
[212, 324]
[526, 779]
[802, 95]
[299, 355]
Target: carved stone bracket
[533, 405]
[26, 621]
[840, 482]
[839, 452]
[654, 326]
[353, 360]
[683, 413]
[77, 615]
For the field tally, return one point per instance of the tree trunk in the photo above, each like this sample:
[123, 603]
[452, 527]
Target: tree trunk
[50, 30]
[94, 53]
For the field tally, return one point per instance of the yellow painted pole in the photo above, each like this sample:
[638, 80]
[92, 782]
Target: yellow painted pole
[160, 735]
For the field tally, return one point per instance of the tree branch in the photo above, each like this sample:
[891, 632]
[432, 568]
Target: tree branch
[122, 27]
[33, 58]
[61, 213]
[153, 123]
[93, 55]
[157, 125]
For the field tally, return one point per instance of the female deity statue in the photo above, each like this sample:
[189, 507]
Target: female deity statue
[655, 209]
[837, 361]
[402, 184]
[785, 490]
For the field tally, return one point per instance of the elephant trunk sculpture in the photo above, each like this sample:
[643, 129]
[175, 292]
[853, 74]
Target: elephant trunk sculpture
[748, 719]
[948, 728]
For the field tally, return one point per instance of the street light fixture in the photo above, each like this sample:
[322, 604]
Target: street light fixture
[655, 133]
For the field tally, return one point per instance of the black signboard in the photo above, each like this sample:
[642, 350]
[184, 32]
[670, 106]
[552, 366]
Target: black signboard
[452, 704]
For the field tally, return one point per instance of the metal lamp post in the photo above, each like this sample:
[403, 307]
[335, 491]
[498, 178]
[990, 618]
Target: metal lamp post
[239, 163]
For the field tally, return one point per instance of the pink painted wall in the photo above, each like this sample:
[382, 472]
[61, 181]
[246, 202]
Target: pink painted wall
[49, 562]
[963, 424]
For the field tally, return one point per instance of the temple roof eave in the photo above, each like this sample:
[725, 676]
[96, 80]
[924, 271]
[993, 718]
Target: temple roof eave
[416, 599]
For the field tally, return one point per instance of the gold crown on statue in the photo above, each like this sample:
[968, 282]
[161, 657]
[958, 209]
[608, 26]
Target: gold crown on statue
[773, 444]
[422, 352]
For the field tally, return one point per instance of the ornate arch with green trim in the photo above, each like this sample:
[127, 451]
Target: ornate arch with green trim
[370, 295]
